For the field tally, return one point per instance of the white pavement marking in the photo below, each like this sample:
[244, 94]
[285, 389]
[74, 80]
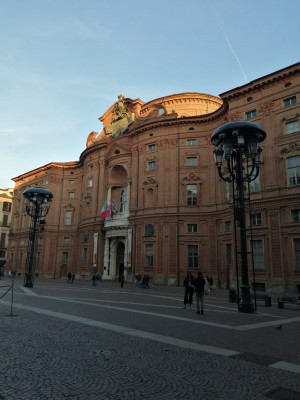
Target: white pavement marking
[267, 324]
[286, 366]
[132, 332]
[195, 321]
[28, 291]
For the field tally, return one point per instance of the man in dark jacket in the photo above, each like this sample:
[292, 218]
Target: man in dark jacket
[199, 284]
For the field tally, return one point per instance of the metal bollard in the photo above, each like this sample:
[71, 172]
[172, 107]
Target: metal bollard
[280, 304]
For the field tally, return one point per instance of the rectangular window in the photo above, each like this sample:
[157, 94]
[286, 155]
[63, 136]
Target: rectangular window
[152, 166]
[258, 255]
[227, 191]
[90, 183]
[151, 146]
[192, 228]
[227, 226]
[292, 127]
[6, 206]
[193, 258]
[5, 220]
[191, 195]
[256, 219]
[290, 101]
[294, 170]
[297, 253]
[71, 195]
[191, 142]
[295, 215]
[123, 200]
[66, 240]
[229, 256]
[2, 239]
[149, 256]
[191, 161]
[71, 181]
[68, 218]
[251, 114]
[254, 186]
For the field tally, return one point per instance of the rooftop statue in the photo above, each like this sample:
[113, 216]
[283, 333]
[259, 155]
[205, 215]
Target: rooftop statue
[120, 109]
[121, 119]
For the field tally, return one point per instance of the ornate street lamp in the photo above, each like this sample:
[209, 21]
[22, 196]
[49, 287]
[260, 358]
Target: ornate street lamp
[238, 143]
[37, 204]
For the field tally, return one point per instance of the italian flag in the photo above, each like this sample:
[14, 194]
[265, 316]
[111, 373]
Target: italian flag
[105, 211]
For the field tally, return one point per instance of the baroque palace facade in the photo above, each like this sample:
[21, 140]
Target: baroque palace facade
[167, 210]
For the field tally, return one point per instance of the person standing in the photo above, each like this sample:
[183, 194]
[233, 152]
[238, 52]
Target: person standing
[199, 284]
[188, 289]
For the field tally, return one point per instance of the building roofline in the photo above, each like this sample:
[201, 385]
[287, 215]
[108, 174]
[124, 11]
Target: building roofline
[294, 68]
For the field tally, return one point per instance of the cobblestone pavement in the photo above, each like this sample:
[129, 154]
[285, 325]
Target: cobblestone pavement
[60, 342]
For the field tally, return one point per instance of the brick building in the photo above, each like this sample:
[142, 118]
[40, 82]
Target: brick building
[6, 198]
[167, 211]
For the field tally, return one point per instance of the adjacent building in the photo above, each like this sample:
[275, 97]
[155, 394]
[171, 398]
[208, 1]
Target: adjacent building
[6, 198]
[145, 196]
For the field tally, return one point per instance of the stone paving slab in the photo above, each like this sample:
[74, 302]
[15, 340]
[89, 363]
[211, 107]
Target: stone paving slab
[45, 357]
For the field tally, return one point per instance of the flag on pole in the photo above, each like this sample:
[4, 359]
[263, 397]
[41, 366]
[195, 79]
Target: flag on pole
[106, 211]
[103, 211]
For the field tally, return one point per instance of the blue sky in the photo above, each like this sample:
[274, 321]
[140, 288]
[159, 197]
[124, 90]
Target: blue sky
[64, 62]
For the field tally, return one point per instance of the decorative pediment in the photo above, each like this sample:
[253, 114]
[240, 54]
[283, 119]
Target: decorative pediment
[118, 149]
[192, 178]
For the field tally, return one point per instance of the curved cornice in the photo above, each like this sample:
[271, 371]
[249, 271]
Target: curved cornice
[173, 119]
[92, 149]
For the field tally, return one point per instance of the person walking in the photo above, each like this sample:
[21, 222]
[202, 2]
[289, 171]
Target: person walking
[188, 290]
[98, 278]
[199, 284]
[122, 279]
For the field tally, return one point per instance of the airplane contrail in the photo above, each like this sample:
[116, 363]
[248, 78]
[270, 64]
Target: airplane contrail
[230, 46]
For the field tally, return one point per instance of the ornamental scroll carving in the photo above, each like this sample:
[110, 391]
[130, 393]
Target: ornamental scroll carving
[150, 182]
[266, 107]
[235, 116]
[192, 178]
[69, 206]
[292, 147]
[167, 142]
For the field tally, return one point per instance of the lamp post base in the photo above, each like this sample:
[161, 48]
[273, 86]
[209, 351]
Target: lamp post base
[28, 280]
[245, 304]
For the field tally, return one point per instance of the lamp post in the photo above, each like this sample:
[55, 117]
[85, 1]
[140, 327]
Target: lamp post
[37, 204]
[238, 143]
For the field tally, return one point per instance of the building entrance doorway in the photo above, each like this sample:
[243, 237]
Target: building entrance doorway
[120, 259]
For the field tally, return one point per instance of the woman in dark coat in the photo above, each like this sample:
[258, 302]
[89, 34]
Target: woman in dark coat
[188, 289]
